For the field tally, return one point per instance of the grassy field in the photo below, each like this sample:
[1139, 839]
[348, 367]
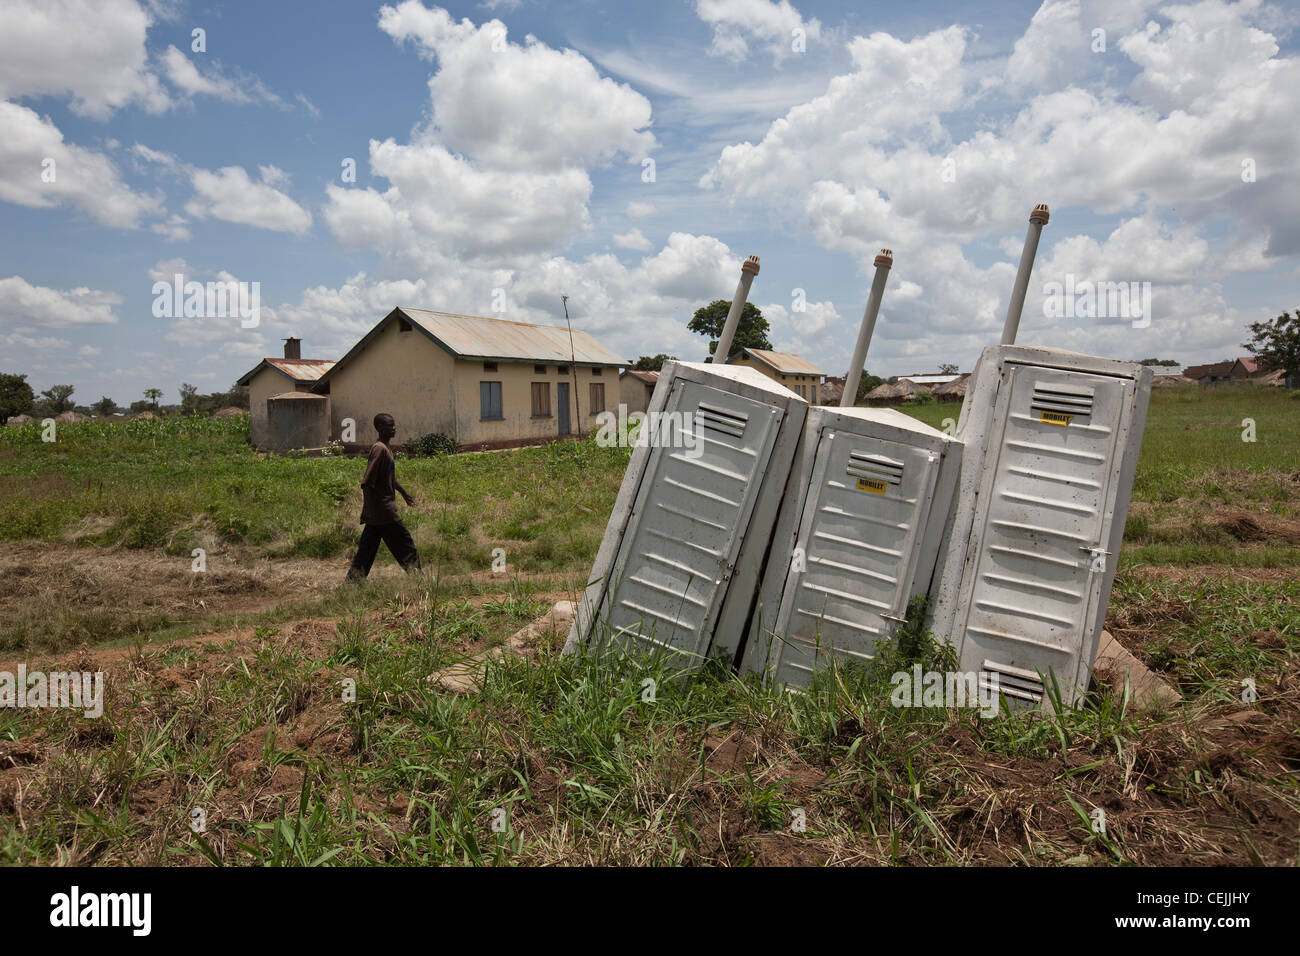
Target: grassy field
[227, 689]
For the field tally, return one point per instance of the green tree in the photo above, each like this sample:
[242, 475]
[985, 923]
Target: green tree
[153, 394]
[189, 398]
[866, 384]
[1277, 344]
[948, 369]
[16, 396]
[652, 363]
[104, 407]
[751, 330]
[58, 398]
[1156, 361]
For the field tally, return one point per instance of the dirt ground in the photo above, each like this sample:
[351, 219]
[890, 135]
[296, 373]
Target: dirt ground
[999, 810]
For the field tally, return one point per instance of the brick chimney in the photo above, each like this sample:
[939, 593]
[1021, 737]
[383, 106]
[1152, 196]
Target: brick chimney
[293, 348]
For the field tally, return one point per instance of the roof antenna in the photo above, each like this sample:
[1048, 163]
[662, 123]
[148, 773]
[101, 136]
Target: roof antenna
[573, 364]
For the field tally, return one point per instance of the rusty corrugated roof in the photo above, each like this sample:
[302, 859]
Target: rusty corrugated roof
[302, 371]
[476, 337]
[650, 378]
[784, 362]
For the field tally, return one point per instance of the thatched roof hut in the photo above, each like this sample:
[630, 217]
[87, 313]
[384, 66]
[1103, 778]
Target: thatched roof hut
[830, 391]
[894, 394]
[954, 391]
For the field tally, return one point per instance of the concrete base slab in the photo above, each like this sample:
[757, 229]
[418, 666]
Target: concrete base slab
[1115, 662]
[466, 677]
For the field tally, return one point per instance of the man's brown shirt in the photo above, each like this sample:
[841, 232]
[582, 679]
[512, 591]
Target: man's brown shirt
[378, 487]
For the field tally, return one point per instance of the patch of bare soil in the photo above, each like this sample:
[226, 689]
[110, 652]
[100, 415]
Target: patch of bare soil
[1257, 526]
[58, 594]
[1214, 572]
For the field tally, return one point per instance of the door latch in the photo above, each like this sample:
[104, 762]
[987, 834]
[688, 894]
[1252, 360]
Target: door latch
[1098, 555]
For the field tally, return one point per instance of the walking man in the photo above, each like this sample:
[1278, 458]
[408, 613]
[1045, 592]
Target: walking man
[379, 507]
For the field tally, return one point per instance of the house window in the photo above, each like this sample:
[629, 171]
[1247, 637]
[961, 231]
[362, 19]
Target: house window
[403, 325]
[597, 398]
[812, 394]
[541, 399]
[539, 369]
[595, 371]
[562, 369]
[489, 401]
[489, 366]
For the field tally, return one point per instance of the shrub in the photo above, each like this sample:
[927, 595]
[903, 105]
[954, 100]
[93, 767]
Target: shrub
[432, 445]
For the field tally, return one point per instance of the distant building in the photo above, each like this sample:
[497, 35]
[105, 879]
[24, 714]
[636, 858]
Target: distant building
[1230, 370]
[895, 394]
[484, 383]
[274, 376]
[952, 391]
[832, 388]
[636, 388]
[930, 381]
[795, 373]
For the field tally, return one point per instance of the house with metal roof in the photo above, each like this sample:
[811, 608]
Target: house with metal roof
[277, 376]
[794, 372]
[636, 388]
[484, 383]
[1229, 370]
[931, 380]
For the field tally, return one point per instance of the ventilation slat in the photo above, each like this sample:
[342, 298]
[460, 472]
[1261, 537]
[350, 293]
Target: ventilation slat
[874, 473]
[1061, 404]
[1012, 681]
[723, 420]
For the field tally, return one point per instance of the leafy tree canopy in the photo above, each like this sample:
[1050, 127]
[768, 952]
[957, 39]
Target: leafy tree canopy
[16, 396]
[652, 363]
[751, 330]
[1277, 343]
[57, 398]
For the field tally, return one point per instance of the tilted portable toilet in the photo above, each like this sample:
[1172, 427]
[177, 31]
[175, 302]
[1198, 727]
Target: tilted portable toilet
[1051, 448]
[678, 568]
[859, 531]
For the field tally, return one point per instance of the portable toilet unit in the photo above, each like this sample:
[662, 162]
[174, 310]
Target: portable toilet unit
[1051, 447]
[678, 568]
[858, 535]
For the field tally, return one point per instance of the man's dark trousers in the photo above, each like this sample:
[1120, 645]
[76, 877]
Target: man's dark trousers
[399, 542]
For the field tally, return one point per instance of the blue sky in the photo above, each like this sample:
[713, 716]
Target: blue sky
[499, 153]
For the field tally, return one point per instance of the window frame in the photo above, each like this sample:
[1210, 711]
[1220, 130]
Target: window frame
[546, 391]
[487, 406]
